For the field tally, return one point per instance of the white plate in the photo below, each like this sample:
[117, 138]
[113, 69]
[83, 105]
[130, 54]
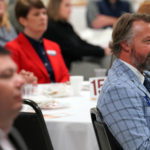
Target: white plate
[54, 90]
[47, 104]
[56, 105]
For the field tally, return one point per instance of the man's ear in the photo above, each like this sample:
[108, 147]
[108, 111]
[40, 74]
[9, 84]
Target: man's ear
[22, 21]
[125, 46]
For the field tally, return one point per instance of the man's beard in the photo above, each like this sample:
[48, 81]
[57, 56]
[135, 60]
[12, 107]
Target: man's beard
[138, 61]
[146, 64]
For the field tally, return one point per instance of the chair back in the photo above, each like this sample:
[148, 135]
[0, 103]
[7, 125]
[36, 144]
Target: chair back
[32, 127]
[105, 139]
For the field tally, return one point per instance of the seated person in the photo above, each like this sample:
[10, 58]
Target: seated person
[62, 32]
[10, 103]
[104, 13]
[30, 51]
[124, 100]
[7, 32]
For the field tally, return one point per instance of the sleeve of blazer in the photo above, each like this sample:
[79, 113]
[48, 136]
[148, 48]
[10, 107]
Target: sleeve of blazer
[122, 107]
[65, 72]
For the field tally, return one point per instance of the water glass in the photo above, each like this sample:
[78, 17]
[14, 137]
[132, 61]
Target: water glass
[76, 84]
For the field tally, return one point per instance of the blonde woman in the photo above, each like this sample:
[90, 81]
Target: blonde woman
[7, 32]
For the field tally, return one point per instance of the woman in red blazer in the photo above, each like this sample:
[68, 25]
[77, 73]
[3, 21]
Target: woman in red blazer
[30, 51]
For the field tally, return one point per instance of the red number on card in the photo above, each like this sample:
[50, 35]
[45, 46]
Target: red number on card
[97, 89]
[94, 85]
[100, 81]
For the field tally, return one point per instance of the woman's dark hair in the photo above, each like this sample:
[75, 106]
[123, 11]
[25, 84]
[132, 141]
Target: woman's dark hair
[23, 7]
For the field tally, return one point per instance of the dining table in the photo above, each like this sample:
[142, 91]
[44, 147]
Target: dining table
[67, 117]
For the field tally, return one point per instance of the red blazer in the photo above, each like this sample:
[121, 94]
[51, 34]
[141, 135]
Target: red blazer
[26, 58]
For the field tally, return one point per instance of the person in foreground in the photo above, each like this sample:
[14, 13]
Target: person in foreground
[30, 50]
[61, 31]
[125, 98]
[10, 102]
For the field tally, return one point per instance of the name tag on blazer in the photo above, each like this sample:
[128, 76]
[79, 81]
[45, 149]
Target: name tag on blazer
[51, 52]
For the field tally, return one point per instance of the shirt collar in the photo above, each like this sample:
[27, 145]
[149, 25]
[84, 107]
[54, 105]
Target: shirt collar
[33, 40]
[137, 73]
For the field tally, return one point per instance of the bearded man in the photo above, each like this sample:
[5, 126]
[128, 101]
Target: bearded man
[125, 97]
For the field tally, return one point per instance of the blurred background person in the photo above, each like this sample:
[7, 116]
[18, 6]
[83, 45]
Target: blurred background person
[7, 32]
[61, 31]
[12, 16]
[30, 51]
[104, 13]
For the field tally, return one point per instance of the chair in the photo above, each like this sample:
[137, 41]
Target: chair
[105, 139]
[32, 127]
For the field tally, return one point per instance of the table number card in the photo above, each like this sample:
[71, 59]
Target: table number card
[96, 86]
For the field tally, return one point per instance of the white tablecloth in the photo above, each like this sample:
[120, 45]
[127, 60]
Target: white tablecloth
[72, 130]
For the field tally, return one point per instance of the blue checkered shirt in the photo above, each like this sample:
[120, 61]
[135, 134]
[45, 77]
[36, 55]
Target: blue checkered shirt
[125, 105]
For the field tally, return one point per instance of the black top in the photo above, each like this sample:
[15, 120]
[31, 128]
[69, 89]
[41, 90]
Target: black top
[39, 48]
[115, 10]
[72, 46]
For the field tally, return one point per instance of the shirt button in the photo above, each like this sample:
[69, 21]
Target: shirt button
[46, 64]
